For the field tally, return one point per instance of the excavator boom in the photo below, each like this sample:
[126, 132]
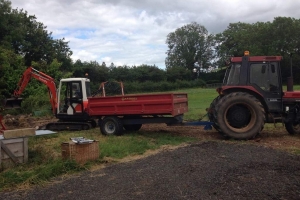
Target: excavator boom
[29, 73]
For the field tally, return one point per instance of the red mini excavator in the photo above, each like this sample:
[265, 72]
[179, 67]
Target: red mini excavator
[68, 101]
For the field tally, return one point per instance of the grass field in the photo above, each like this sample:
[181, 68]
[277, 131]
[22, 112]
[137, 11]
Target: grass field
[199, 100]
[45, 160]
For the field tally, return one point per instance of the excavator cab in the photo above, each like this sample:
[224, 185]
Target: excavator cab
[72, 96]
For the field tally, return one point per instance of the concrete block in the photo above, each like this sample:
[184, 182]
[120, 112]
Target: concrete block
[17, 133]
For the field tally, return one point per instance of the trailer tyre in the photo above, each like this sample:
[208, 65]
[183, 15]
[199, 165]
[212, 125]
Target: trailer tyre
[132, 127]
[292, 128]
[111, 126]
[240, 115]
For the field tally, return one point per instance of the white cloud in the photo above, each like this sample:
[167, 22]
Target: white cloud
[133, 32]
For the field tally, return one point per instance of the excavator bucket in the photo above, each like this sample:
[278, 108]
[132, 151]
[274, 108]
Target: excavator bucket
[12, 103]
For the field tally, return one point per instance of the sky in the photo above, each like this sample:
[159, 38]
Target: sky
[134, 32]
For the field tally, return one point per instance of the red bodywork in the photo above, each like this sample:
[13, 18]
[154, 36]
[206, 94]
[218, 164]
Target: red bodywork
[223, 89]
[291, 96]
[145, 104]
[257, 58]
[29, 73]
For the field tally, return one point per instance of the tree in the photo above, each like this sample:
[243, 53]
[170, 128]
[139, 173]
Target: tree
[5, 9]
[262, 38]
[10, 71]
[178, 73]
[28, 37]
[145, 73]
[189, 45]
[235, 39]
[24, 41]
[61, 51]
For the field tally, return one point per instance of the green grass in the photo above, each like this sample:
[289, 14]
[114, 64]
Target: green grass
[199, 100]
[138, 143]
[45, 160]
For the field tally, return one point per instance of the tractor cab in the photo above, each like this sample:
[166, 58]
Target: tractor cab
[259, 75]
[73, 96]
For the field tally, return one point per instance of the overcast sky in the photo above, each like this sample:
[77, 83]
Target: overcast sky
[133, 32]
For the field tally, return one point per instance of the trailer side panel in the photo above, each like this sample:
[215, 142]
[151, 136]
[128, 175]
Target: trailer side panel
[144, 104]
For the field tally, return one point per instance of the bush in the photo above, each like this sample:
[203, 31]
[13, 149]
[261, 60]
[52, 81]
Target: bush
[36, 103]
[213, 81]
[149, 86]
[165, 86]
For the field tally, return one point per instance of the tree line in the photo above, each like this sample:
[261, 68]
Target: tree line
[24, 41]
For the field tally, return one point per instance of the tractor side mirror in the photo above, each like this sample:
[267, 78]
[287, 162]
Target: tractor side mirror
[263, 69]
[273, 69]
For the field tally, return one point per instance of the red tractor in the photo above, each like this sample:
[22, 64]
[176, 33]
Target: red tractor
[252, 95]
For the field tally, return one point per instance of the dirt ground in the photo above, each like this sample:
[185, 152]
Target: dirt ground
[25, 121]
[274, 136]
[213, 168]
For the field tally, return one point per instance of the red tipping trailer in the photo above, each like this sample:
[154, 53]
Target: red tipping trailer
[131, 111]
[142, 104]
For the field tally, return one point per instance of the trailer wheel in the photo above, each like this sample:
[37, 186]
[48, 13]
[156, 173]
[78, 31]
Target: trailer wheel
[132, 127]
[210, 113]
[111, 126]
[292, 128]
[240, 115]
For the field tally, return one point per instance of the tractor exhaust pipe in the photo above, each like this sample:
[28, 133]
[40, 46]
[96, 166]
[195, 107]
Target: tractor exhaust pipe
[12, 103]
[290, 84]
[290, 80]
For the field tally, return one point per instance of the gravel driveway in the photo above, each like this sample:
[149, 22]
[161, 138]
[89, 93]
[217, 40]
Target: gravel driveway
[207, 170]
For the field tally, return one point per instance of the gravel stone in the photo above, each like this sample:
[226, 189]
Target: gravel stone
[205, 170]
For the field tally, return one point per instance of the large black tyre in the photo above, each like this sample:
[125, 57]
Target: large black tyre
[210, 112]
[111, 126]
[132, 127]
[240, 115]
[292, 128]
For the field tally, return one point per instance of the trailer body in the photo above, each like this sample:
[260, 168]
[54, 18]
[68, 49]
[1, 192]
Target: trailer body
[131, 111]
[141, 104]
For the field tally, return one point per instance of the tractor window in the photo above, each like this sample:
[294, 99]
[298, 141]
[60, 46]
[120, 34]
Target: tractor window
[265, 75]
[232, 76]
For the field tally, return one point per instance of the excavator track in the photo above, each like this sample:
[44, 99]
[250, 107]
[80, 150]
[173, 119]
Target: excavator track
[61, 126]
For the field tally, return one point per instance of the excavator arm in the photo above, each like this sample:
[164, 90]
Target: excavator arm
[29, 73]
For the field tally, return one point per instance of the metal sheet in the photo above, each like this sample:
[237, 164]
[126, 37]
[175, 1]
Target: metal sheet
[37, 133]
[43, 132]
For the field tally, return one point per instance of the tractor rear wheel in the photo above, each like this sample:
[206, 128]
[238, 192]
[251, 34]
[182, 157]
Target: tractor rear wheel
[292, 128]
[240, 115]
[210, 113]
